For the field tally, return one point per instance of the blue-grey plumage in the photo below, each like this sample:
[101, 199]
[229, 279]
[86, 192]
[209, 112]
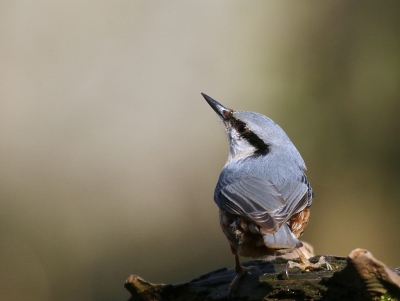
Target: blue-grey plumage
[263, 179]
[262, 192]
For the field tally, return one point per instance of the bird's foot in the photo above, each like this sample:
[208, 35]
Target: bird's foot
[305, 265]
[240, 273]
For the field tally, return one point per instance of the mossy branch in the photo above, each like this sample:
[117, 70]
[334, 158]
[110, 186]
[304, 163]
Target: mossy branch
[358, 277]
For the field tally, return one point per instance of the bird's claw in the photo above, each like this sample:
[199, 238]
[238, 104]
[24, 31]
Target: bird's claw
[254, 269]
[306, 265]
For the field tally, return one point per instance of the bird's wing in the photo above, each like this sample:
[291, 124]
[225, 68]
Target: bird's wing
[261, 201]
[296, 197]
[255, 198]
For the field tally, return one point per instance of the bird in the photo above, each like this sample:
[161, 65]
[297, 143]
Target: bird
[263, 194]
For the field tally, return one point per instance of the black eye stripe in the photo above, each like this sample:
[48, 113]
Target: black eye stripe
[244, 131]
[241, 128]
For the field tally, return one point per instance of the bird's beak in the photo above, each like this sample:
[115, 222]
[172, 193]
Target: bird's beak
[222, 112]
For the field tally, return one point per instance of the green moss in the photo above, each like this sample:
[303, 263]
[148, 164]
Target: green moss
[388, 297]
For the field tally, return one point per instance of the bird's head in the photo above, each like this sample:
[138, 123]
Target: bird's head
[250, 132]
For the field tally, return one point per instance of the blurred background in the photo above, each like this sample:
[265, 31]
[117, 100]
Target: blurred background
[109, 155]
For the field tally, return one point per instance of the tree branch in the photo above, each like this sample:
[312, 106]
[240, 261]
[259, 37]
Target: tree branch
[358, 277]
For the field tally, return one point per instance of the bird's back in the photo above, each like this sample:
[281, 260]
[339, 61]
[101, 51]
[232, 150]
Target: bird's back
[267, 189]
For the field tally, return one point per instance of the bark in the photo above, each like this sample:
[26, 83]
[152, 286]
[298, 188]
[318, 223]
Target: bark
[358, 277]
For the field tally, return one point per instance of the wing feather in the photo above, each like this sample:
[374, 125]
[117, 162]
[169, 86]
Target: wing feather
[296, 197]
[262, 202]
[255, 198]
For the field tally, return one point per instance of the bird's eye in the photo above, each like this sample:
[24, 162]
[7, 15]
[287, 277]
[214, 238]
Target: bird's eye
[241, 128]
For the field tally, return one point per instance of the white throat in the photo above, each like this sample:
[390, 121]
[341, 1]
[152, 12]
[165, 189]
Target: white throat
[238, 147]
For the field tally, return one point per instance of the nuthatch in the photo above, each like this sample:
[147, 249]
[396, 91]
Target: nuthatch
[262, 193]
